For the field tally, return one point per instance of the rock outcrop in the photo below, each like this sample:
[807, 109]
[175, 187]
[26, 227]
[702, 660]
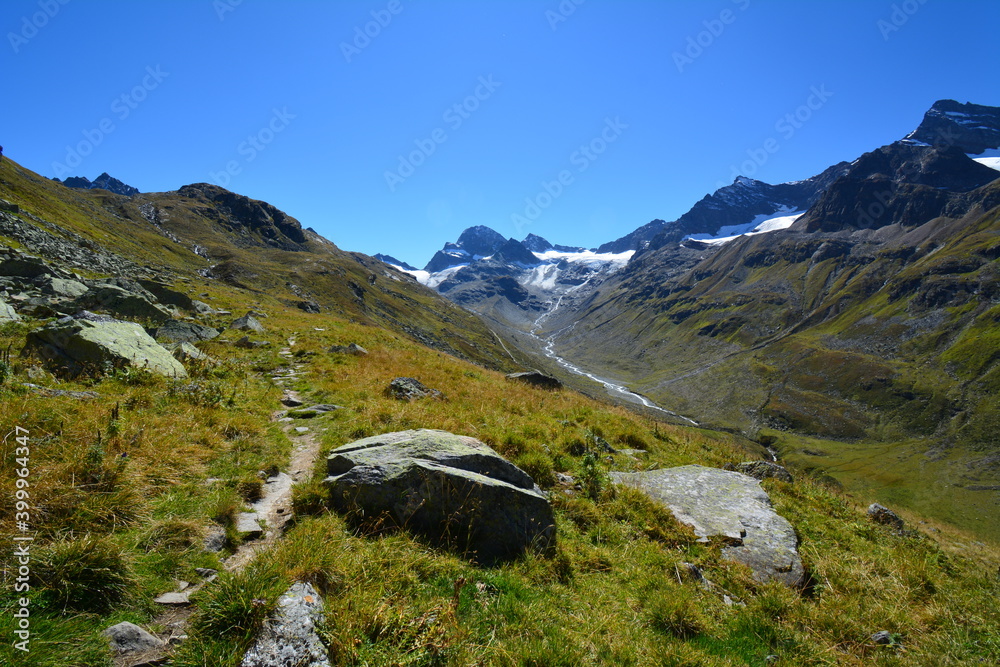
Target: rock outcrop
[290, 636]
[731, 506]
[247, 323]
[453, 489]
[536, 379]
[410, 389]
[101, 342]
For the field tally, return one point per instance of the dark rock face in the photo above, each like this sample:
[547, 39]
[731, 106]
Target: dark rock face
[474, 242]
[901, 183]
[265, 225]
[514, 252]
[452, 489]
[743, 200]
[536, 379]
[973, 128]
[730, 506]
[103, 182]
[635, 240]
[389, 259]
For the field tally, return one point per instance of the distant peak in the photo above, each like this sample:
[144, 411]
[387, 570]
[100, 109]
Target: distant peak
[744, 181]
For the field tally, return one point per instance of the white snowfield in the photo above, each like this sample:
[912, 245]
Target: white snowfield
[780, 219]
[989, 158]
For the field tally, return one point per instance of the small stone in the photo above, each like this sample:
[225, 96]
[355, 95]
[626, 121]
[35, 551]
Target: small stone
[127, 637]
[205, 572]
[246, 522]
[884, 516]
[173, 599]
[882, 637]
[301, 429]
[176, 640]
[215, 541]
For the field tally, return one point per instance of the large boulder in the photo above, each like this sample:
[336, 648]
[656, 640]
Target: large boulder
[127, 637]
[732, 507]
[290, 636]
[453, 489]
[88, 340]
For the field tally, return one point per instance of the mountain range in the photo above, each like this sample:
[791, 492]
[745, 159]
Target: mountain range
[857, 307]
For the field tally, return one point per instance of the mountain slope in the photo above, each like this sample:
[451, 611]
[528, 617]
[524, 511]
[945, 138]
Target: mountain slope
[223, 237]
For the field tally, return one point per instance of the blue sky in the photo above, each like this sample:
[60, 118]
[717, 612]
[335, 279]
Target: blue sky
[577, 122]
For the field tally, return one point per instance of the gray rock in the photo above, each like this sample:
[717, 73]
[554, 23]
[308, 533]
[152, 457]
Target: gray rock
[452, 489]
[187, 352]
[290, 637]
[176, 598]
[245, 342]
[7, 313]
[246, 522]
[164, 294]
[206, 572]
[215, 539]
[314, 411]
[24, 266]
[202, 308]
[353, 348]
[731, 506]
[178, 331]
[308, 306]
[882, 637]
[247, 323]
[762, 470]
[127, 637]
[884, 516]
[410, 389]
[61, 287]
[536, 379]
[291, 402]
[78, 342]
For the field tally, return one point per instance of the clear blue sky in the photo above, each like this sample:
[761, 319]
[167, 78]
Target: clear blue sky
[329, 121]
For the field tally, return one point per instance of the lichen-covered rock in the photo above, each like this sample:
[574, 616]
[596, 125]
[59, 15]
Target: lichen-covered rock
[100, 342]
[290, 637]
[353, 349]
[453, 489]
[730, 506]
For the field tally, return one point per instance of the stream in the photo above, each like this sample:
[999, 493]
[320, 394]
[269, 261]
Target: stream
[614, 389]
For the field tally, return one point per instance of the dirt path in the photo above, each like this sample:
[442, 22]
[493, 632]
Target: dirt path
[274, 510]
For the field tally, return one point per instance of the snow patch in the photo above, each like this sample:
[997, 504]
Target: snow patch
[989, 158]
[780, 219]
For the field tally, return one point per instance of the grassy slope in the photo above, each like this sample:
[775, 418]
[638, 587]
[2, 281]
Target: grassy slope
[115, 531]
